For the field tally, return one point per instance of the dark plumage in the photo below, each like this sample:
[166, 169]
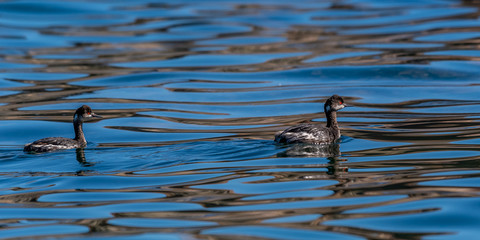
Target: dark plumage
[315, 133]
[58, 143]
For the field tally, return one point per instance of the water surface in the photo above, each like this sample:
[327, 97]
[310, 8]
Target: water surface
[192, 94]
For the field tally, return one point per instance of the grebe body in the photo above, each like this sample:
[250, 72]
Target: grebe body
[59, 143]
[315, 133]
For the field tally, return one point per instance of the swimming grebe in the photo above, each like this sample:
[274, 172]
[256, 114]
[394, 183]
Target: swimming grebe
[57, 143]
[314, 133]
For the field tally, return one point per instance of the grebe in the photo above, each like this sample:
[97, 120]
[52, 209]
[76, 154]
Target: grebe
[314, 133]
[58, 143]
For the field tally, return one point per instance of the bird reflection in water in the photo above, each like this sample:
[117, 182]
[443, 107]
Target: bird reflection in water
[81, 158]
[311, 150]
[329, 151]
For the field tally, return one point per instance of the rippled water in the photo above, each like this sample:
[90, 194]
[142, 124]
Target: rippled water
[192, 93]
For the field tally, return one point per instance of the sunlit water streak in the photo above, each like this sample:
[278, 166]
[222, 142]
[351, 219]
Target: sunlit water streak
[192, 94]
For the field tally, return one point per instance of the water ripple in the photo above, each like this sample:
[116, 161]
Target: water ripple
[192, 94]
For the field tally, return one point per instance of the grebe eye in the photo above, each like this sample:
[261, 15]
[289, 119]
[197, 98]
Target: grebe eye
[341, 102]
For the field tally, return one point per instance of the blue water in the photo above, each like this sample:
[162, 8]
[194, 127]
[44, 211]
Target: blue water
[192, 93]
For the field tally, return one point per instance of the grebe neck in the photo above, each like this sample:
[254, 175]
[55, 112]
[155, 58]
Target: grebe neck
[331, 119]
[78, 126]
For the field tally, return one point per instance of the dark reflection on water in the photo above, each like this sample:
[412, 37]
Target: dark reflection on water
[300, 150]
[192, 94]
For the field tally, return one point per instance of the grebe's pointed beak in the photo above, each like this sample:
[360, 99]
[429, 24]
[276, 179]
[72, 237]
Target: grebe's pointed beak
[96, 115]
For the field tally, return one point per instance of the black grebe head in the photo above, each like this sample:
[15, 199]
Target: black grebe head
[334, 103]
[84, 112]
